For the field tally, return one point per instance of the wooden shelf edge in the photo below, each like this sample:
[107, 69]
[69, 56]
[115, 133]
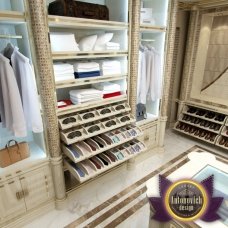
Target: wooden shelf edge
[86, 81]
[14, 17]
[92, 23]
[76, 108]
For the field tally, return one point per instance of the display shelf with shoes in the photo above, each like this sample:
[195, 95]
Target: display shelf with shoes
[204, 124]
[204, 114]
[196, 132]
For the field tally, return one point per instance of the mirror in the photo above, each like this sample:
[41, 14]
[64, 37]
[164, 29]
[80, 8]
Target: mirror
[210, 80]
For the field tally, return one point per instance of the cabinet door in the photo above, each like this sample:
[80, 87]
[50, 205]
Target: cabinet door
[12, 202]
[37, 187]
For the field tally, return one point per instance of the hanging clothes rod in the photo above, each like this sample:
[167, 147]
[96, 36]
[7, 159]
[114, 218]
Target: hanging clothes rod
[3, 36]
[147, 40]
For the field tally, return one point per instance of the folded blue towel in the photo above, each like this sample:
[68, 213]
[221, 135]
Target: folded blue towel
[87, 74]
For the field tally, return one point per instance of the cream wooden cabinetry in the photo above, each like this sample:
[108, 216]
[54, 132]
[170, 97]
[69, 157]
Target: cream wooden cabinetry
[11, 206]
[25, 192]
[153, 34]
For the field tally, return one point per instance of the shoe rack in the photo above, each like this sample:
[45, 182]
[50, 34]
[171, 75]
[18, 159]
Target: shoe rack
[98, 139]
[206, 125]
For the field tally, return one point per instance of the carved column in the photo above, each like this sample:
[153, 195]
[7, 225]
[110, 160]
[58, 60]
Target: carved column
[43, 59]
[168, 69]
[188, 56]
[134, 54]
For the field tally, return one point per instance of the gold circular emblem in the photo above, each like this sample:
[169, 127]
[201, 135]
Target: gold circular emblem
[186, 200]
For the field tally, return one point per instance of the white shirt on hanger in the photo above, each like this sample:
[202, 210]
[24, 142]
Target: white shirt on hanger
[11, 110]
[26, 84]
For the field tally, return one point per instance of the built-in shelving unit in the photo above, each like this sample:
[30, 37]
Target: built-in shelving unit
[108, 137]
[153, 29]
[204, 124]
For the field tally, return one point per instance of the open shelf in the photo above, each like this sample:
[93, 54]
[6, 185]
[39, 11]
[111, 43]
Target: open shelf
[11, 17]
[88, 54]
[199, 126]
[83, 23]
[152, 28]
[87, 81]
[192, 135]
[96, 172]
[36, 157]
[97, 116]
[150, 118]
[71, 156]
[89, 105]
[102, 129]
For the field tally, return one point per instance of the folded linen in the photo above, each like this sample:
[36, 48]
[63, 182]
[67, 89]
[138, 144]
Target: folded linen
[87, 74]
[109, 95]
[63, 42]
[84, 92]
[79, 101]
[57, 79]
[107, 87]
[113, 48]
[112, 44]
[86, 67]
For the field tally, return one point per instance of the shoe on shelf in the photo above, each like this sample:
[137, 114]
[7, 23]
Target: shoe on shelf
[192, 110]
[222, 141]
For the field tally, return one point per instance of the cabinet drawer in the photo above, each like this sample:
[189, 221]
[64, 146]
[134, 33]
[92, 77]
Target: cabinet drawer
[149, 136]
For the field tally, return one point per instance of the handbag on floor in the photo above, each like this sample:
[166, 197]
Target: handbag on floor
[13, 153]
[71, 8]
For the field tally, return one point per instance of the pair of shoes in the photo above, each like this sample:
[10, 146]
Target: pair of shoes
[220, 117]
[210, 115]
[192, 110]
[223, 142]
[200, 112]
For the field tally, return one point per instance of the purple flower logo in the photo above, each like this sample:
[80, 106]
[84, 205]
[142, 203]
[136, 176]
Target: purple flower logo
[186, 200]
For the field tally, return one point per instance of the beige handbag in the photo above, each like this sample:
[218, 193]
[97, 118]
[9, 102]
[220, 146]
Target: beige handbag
[13, 153]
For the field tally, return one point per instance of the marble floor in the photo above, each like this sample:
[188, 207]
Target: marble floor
[117, 199]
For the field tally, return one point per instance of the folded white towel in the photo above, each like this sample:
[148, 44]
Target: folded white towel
[80, 92]
[107, 86]
[57, 79]
[86, 67]
[112, 48]
[112, 44]
[112, 63]
[63, 42]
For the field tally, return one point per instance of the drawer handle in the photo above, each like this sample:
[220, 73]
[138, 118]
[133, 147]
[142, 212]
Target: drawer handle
[19, 195]
[21, 178]
[19, 171]
[11, 182]
[2, 186]
[146, 138]
[8, 175]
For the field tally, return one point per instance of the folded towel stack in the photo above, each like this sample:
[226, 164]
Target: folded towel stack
[108, 89]
[85, 95]
[110, 67]
[63, 42]
[86, 69]
[63, 71]
[112, 46]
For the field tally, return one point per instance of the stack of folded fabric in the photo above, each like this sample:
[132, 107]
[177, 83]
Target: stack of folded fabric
[110, 67]
[112, 46]
[108, 89]
[63, 42]
[85, 95]
[86, 69]
[63, 71]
